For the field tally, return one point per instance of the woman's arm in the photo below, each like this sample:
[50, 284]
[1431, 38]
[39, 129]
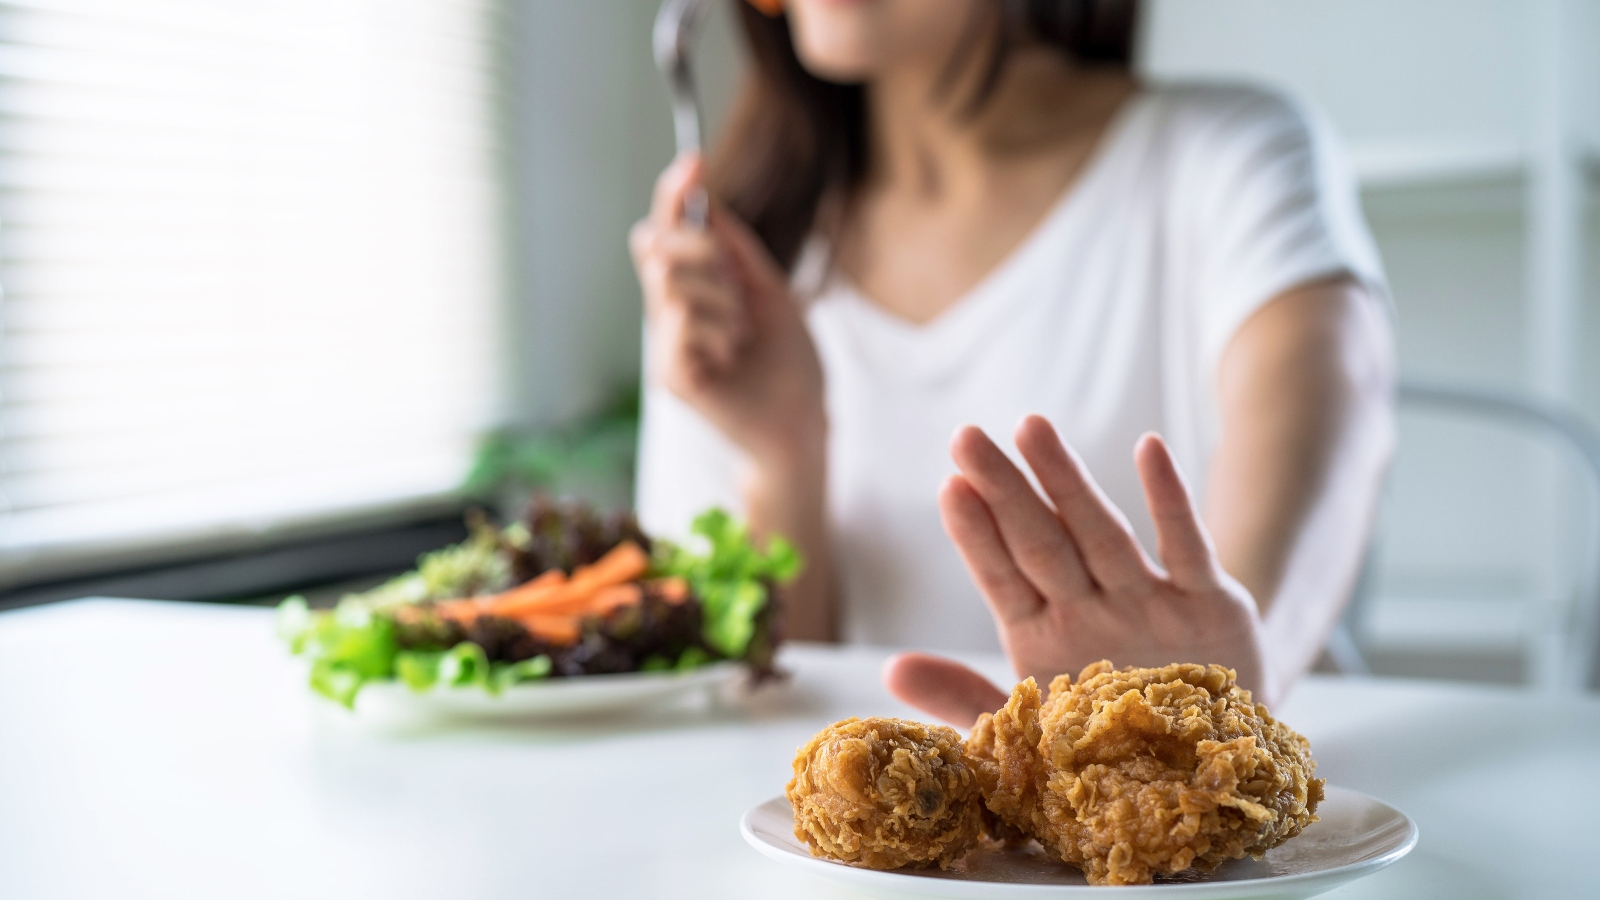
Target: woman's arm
[725, 334]
[1305, 389]
[785, 496]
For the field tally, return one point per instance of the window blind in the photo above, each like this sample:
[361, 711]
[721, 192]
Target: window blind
[251, 265]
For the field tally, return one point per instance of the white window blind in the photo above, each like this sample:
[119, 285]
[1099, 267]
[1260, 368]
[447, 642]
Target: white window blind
[250, 257]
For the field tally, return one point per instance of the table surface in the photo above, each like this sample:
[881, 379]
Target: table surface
[172, 750]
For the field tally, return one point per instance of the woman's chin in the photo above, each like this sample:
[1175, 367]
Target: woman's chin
[842, 62]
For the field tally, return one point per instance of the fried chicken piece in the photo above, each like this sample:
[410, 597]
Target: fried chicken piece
[1004, 749]
[1131, 773]
[885, 793]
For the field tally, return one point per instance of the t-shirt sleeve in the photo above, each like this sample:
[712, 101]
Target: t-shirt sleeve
[1276, 206]
[685, 466]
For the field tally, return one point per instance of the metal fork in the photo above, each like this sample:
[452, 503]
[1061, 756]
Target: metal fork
[676, 22]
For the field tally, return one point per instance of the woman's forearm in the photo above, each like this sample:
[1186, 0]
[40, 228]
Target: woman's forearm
[787, 496]
[1329, 541]
[725, 334]
[1306, 390]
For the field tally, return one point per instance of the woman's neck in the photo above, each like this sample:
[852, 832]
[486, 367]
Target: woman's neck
[951, 191]
[927, 138]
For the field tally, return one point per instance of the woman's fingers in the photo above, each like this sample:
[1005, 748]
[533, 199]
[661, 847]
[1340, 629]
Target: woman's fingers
[765, 280]
[688, 283]
[710, 300]
[942, 688]
[685, 350]
[713, 272]
[1036, 539]
[695, 326]
[971, 527]
[1110, 551]
[676, 259]
[1185, 549]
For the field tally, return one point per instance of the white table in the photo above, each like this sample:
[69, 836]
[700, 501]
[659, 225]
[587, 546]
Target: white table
[170, 750]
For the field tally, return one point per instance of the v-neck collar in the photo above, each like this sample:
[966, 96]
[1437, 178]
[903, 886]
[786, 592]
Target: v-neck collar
[974, 303]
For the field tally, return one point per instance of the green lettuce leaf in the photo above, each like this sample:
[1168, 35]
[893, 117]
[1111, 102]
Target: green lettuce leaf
[348, 647]
[465, 664]
[504, 675]
[418, 669]
[692, 658]
[293, 623]
[730, 575]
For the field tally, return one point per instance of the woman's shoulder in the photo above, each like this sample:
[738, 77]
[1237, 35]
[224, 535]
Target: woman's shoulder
[1200, 131]
[1208, 106]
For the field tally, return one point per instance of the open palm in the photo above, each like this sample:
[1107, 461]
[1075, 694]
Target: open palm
[1066, 579]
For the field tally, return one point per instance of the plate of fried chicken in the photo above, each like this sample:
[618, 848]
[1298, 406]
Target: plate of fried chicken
[1165, 781]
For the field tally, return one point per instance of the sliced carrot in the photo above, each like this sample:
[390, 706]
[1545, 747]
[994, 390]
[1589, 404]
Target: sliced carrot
[673, 589]
[514, 604]
[550, 581]
[555, 629]
[553, 576]
[625, 563]
[573, 603]
[552, 604]
[469, 608]
[462, 610]
[617, 595]
[549, 601]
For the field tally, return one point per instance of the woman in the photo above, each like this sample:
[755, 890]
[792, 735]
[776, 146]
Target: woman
[930, 215]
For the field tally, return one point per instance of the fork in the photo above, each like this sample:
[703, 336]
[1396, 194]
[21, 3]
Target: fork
[673, 38]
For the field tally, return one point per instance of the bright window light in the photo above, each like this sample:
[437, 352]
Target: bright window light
[251, 255]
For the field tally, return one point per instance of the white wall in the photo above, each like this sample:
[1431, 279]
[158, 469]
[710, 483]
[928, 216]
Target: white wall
[1383, 70]
[1449, 107]
[590, 129]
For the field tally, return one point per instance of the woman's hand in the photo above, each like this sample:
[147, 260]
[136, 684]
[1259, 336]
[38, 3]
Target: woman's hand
[1067, 580]
[724, 332]
[726, 335]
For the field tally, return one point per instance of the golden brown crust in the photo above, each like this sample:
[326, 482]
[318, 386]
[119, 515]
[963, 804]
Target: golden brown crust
[1149, 771]
[1004, 749]
[885, 793]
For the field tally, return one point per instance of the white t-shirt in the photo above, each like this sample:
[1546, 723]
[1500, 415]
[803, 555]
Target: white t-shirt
[1200, 205]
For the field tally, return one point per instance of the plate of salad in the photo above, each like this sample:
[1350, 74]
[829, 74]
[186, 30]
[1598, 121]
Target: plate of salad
[563, 611]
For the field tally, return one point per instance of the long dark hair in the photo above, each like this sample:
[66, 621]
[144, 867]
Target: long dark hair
[793, 139]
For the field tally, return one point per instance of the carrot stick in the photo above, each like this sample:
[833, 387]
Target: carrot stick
[550, 600]
[617, 595]
[551, 604]
[572, 602]
[469, 608]
[673, 589]
[549, 581]
[555, 629]
[564, 627]
[514, 603]
[623, 564]
[544, 580]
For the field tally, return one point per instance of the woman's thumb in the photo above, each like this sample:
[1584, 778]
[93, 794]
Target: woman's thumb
[943, 688]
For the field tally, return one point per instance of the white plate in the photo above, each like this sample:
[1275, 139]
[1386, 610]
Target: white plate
[580, 695]
[1357, 835]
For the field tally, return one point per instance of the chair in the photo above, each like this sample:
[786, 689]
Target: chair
[1565, 650]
